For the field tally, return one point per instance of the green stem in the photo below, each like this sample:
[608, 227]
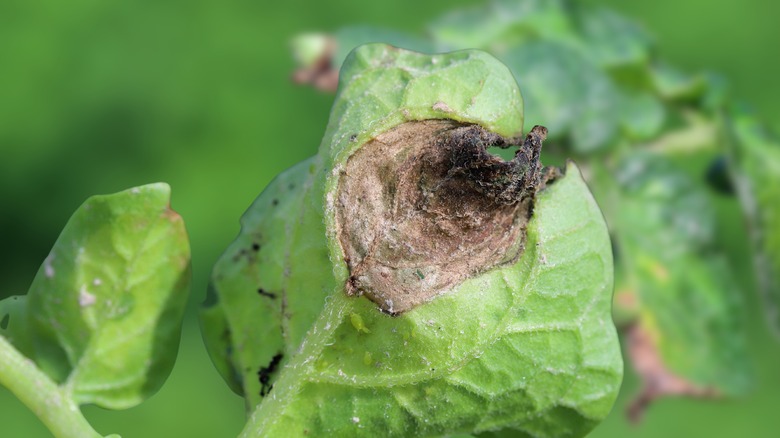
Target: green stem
[53, 406]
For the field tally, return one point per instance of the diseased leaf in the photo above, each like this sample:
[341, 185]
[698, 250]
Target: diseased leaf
[105, 309]
[537, 354]
[286, 219]
[591, 77]
[755, 164]
[258, 312]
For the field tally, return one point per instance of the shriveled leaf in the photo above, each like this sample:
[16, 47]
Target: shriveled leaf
[755, 157]
[105, 309]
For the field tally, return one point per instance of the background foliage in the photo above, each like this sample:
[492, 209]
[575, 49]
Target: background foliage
[98, 97]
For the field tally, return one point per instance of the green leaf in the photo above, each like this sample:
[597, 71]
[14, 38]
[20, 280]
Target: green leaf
[664, 227]
[105, 309]
[642, 115]
[611, 40]
[285, 222]
[755, 157]
[567, 93]
[13, 323]
[256, 312]
[671, 83]
[502, 24]
[539, 353]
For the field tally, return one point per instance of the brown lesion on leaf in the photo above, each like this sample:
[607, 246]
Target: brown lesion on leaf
[657, 380]
[425, 206]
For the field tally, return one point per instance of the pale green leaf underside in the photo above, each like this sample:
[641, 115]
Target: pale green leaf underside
[103, 315]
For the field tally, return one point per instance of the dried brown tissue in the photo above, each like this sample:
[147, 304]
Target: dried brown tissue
[424, 206]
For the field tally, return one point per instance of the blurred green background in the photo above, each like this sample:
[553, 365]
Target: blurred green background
[98, 96]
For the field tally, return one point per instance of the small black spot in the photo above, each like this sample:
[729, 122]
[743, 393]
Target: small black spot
[264, 374]
[275, 202]
[255, 247]
[353, 137]
[291, 186]
[4, 322]
[265, 293]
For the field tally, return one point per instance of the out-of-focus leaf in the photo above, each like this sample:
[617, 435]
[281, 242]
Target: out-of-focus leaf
[671, 83]
[670, 201]
[502, 24]
[612, 40]
[688, 299]
[567, 93]
[105, 309]
[755, 157]
[717, 92]
[718, 176]
[641, 115]
[309, 48]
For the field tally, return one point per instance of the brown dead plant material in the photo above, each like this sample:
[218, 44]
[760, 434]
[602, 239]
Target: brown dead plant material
[425, 206]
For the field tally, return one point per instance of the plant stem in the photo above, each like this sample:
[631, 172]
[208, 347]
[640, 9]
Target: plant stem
[53, 406]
